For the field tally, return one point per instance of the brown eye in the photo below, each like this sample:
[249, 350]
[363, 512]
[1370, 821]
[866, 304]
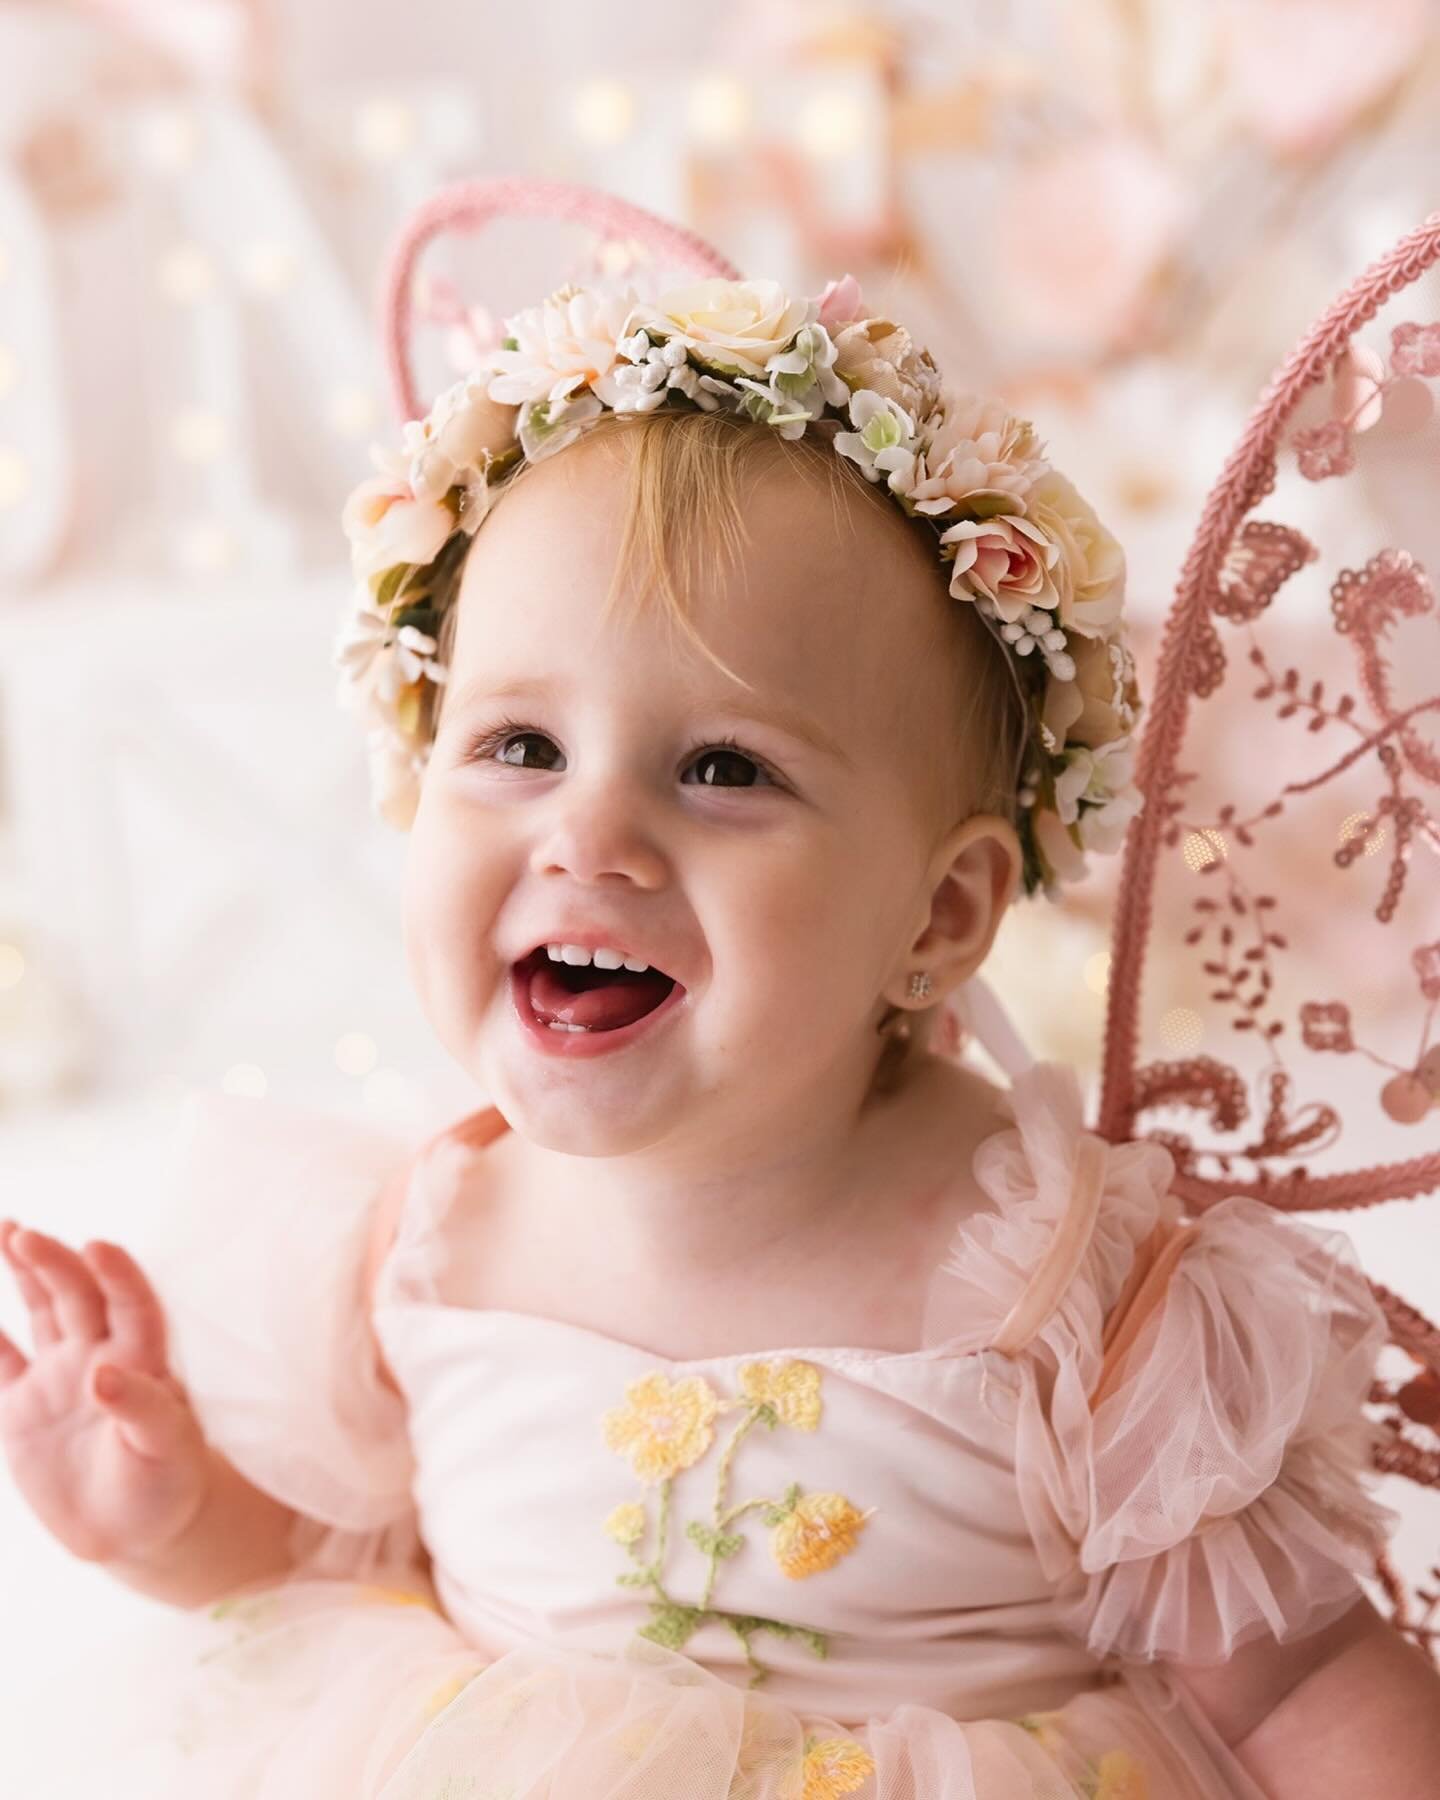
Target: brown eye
[506, 744]
[723, 754]
[519, 738]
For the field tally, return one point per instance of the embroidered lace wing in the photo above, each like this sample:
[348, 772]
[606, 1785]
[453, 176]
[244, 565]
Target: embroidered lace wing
[1280, 895]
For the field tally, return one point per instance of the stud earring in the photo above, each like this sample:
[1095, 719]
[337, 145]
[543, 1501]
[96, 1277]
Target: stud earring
[920, 985]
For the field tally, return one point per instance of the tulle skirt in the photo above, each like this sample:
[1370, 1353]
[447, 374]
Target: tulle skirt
[322, 1689]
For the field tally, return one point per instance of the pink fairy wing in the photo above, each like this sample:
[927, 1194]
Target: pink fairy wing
[1289, 852]
[1287, 861]
[469, 206]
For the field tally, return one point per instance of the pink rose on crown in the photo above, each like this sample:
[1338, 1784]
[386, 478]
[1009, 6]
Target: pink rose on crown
[1007, 561]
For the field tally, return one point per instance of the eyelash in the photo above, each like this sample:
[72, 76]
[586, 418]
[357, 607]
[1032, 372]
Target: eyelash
[481, 745]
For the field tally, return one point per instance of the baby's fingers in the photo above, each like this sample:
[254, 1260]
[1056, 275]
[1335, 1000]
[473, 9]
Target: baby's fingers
[44, 1327]
[75, 1300]
[137, 1323]
[12, 1362]
[154, 1421]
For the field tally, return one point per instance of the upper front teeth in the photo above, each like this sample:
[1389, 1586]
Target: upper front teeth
[603, 958]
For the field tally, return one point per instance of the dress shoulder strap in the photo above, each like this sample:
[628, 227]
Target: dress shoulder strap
[1064, 1253]
[414, 1202]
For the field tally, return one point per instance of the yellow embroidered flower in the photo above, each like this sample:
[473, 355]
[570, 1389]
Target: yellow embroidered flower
[833, 1767]
[819, 1530]
[663, 1428]
[626, 1524]
[792, 1388]
[1121, 1778]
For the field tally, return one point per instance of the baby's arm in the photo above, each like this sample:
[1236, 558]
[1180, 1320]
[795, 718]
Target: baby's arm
[239, 1536]
[1349, 1709]
[125, 1480]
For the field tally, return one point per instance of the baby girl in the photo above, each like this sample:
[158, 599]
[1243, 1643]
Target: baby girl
[751, 1398]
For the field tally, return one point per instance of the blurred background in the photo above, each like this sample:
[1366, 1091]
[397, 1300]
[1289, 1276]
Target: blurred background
[1119, 214]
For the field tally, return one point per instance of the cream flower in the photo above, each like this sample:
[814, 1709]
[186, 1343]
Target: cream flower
[626, 1522]
[663, 1428]
[386, 525]
[395, 775]
[734, 327]
[1090, 572]
[792, 1388]
[569, 342]
[1102, 778]
[979, 459]
[1006, 560]
[876, 354]
[463, 431]
[1101, 703]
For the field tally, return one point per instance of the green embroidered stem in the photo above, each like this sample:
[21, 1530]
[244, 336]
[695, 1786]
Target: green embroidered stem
[666, 1488]
[715, 1541]
[722, 1477]
[745, 1506]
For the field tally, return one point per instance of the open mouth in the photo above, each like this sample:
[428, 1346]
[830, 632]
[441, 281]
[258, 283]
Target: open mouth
[580, 997]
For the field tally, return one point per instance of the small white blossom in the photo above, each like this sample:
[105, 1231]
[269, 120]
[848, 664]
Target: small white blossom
[884, 443]
[786, 413]
[807, 364]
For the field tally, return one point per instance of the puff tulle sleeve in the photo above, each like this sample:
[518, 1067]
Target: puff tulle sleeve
[1192, 1457]
[258, 1256]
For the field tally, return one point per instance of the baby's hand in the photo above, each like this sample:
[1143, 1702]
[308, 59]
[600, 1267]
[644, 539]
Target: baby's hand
[113, 1476]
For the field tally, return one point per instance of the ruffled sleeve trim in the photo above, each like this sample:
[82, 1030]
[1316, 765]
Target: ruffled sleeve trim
[1192, 1454]
[1066, 1212]
[259, 1259]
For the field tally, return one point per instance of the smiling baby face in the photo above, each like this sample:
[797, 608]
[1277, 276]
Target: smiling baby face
[776, 838]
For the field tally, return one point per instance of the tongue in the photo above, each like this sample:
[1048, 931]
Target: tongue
[618, 999]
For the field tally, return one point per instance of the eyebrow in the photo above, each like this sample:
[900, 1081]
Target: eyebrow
[784, 718]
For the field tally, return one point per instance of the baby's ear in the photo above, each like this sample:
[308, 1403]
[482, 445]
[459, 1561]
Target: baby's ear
[976, 874]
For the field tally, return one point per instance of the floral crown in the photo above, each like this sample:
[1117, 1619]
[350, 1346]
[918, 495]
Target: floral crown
[1023, 548]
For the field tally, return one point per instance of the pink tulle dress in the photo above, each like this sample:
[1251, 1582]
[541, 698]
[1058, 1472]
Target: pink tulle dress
[950, 1573]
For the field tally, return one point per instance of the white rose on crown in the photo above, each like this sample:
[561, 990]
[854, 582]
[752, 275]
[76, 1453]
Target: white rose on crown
[733, 327]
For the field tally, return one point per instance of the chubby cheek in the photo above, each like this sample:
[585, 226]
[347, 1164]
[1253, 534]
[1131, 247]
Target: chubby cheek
[450, 905]
[802, 975]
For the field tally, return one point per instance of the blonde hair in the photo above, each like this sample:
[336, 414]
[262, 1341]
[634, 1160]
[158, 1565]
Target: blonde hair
[683, 504]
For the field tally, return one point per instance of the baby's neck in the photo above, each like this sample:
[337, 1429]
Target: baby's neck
[783, 1226]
